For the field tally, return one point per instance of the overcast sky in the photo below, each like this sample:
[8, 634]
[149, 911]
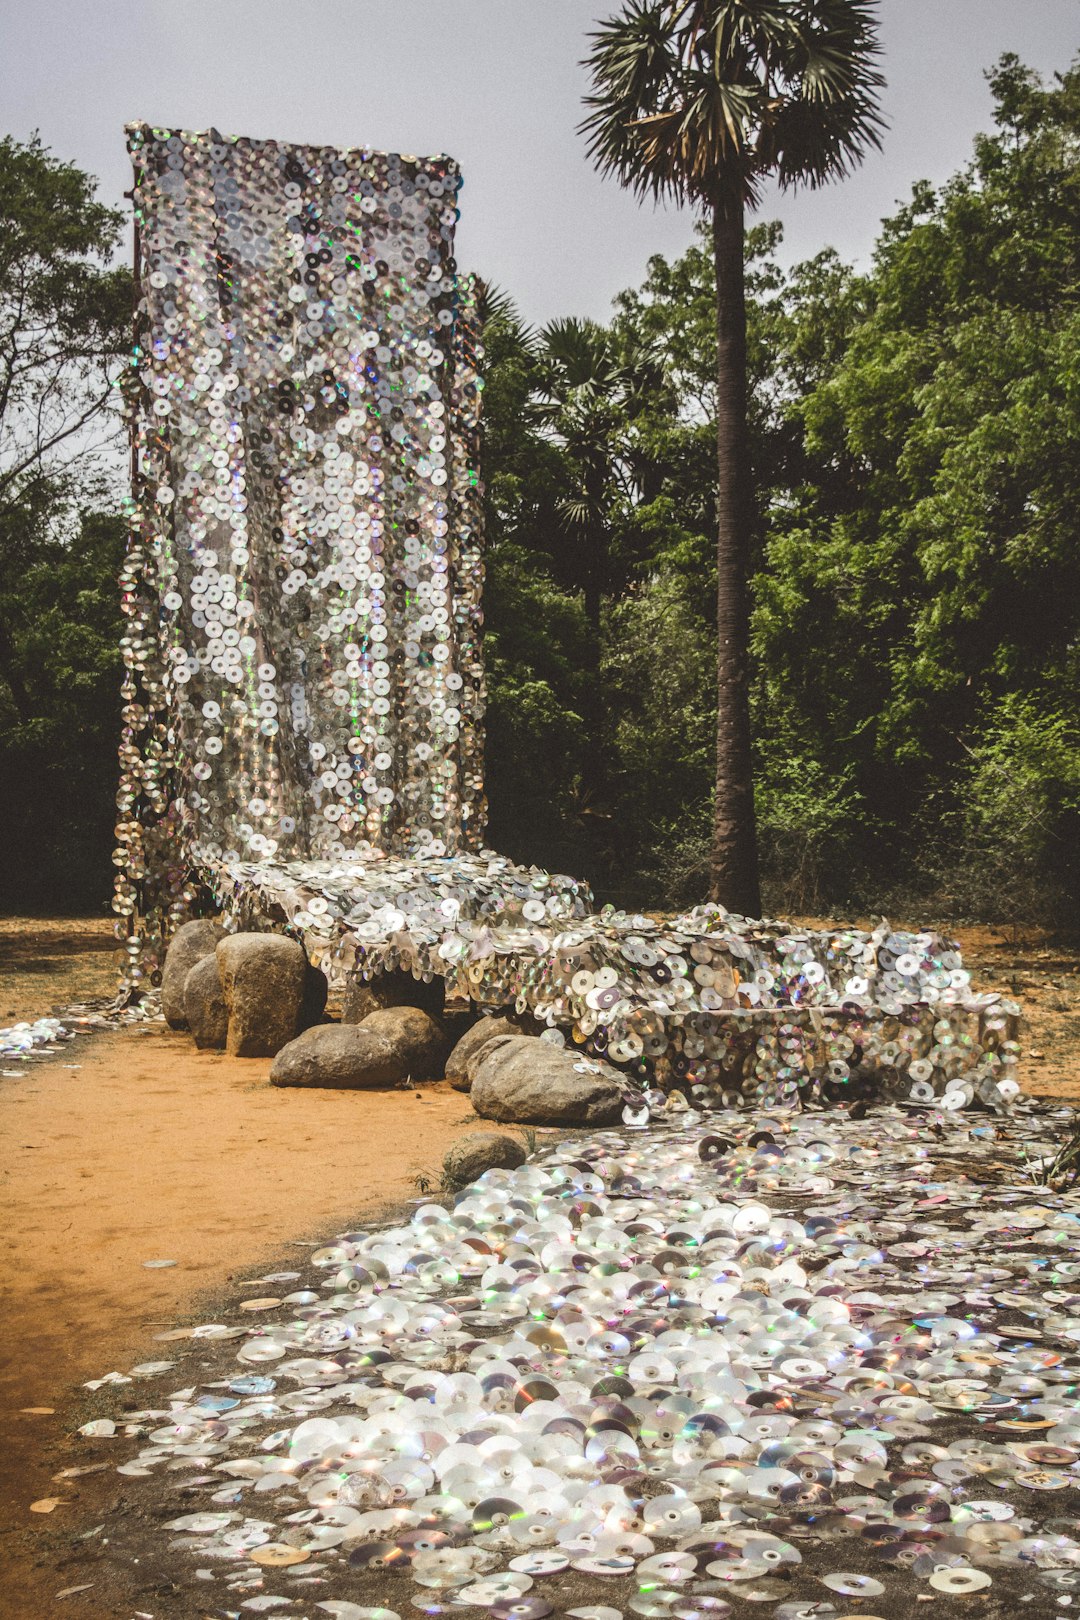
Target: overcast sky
[495, 83]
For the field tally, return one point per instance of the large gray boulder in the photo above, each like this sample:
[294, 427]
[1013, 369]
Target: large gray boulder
[365, 996]
[419, 1043]
[474, 1060]
[479, 1151]
[525, 1081]
[192, 942]
[262, 977]
[204, 1003]
[470, 1044]
[349, 1056]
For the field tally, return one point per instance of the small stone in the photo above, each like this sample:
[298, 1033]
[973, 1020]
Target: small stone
[191, 943]
[480, 1151]
[528, 1082]
[262, 977]
[204, 1004]
[418, 1042]
[483, 1031]
[365, 996]
[343, 1056]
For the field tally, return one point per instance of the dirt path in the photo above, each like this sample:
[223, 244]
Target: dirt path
[50, 962]
[150, 1150]
[133, 1147]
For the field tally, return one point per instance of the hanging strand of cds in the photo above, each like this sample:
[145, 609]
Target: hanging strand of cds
[303, 579]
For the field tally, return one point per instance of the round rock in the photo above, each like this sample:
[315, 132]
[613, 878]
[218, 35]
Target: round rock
[204, 1004]
[418, 1042]
[192, 942]
[344, 1056]
[528, 1082]
[263, 978]
[472, 1042]
[480, 1151]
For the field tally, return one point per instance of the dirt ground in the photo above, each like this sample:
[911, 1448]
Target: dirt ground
[1045, 979]
[50, 963]
[131, 1147]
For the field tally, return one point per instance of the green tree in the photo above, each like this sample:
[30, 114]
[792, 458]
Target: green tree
[702, 100]
[64, 316]
[64, 326]
[536, 642]
[59, 706]
[582, 396]
[920, 601]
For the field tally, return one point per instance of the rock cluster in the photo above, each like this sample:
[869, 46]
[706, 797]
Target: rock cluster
[257, 995]
[391, 1046]
[190, 944]
[249, 994]
[471, 1044]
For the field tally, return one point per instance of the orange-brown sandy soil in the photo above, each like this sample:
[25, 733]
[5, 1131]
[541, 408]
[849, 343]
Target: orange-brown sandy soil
[130, 1146]
[49, 963]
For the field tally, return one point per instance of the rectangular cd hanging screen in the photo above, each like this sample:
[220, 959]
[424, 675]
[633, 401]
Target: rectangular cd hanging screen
[304, 576]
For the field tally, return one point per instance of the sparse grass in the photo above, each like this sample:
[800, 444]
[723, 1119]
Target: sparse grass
[1062, 1172]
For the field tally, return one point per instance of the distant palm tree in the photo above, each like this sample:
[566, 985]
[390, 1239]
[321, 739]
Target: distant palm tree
[702, 101]
[580, 389]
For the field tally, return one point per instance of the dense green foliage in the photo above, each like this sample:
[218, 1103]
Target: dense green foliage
[64, 321]
[916, 634]
[59, 708]
[916, 604]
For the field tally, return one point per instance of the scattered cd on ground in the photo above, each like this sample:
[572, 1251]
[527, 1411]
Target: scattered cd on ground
[959, 1580]
[807, 1610]
[277, 1554]
[539, 1563]
[853, 1585]
[525, 1608]
[695, 1371]
[766, 1590]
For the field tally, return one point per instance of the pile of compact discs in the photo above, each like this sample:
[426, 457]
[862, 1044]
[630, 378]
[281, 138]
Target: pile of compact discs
[46, 1036]
[303, 577]
[712, 1002]
[24, 1039]
[782, 1361]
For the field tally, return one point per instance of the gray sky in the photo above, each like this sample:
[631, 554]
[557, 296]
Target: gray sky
[496, 84]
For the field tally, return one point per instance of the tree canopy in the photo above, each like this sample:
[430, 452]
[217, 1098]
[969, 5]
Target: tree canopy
[65, 316]
[915, 604]
[915, 435]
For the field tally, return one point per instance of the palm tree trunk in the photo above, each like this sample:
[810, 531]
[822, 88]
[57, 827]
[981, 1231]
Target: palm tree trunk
[734, 864]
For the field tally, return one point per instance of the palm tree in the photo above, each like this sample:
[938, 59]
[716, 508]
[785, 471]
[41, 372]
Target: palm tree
[580, 389]
[702, 101]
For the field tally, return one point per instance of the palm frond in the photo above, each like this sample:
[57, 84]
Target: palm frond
[702, 99]
[498, 313]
